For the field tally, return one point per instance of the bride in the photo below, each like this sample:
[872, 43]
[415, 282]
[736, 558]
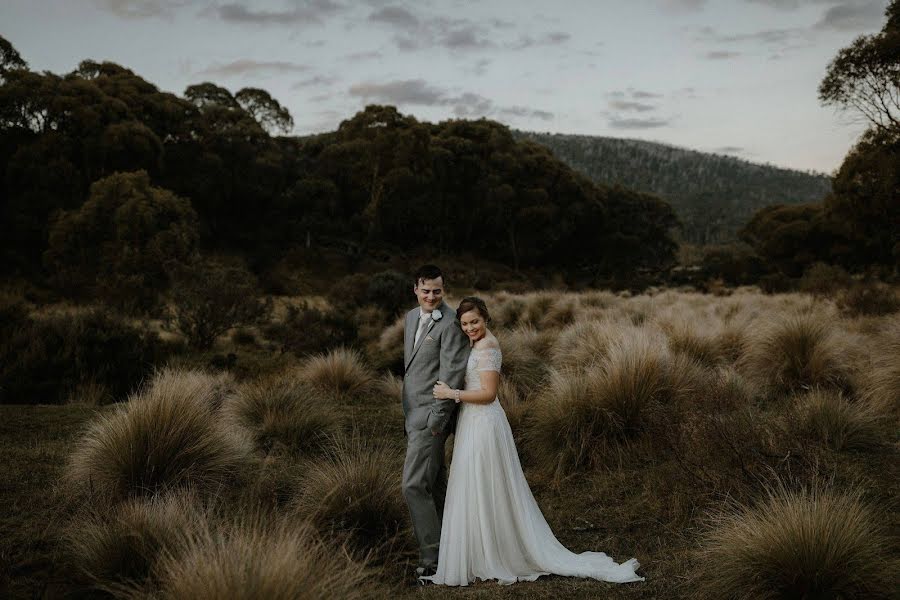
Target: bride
[492, 527]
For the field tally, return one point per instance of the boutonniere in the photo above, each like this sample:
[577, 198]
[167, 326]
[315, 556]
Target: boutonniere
[436, 315]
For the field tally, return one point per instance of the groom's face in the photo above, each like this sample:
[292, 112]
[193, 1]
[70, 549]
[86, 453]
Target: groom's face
[429, 292]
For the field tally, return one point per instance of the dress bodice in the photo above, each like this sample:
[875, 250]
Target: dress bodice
[481, 359]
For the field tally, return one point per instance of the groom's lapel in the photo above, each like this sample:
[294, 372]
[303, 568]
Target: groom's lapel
[431, 324]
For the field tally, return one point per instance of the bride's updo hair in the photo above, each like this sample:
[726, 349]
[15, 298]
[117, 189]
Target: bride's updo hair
[473, 303]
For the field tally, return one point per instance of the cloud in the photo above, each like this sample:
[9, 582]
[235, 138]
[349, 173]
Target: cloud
[409, 91]
[721, 55]
[728, 150]
[141, 9]
[853, 16]
[245, 66]
[317, 81]
[301, 13]
[643, 94]
[357, 56]
[769, 36]
[633, 123]
[553, 38]
[415, 32]
[629, 105]
[418, 92]
[395, 16]
[683, 6]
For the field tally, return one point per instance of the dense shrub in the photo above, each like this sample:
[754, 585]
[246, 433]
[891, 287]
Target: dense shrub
[282, 411]
[307, 330]
[211, 297]
[811, 543]
[166, 436]
[353, 496]
[43, 361]
[259, 557]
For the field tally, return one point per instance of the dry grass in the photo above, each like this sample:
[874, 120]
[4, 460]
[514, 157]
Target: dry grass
[882, 385]
[584, 343]
[390, 386]
[795, 353]
[341, 372]
[284, 412]
[120, 546]
[523, 365]
[813, 543]
[260, 557]
[353, 496]
[828, 418]
[582, 415]
[165, 436]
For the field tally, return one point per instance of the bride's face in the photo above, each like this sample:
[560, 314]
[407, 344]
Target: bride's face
[473, 325]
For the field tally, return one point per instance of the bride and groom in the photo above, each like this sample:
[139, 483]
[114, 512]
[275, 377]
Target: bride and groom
[482, 523]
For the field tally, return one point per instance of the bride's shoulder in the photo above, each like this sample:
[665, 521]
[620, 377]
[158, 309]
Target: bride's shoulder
[487, 342]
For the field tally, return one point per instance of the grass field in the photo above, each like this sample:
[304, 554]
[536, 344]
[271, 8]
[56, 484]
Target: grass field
[742, 446]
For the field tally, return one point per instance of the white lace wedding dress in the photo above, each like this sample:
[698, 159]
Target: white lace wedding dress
[492, 527]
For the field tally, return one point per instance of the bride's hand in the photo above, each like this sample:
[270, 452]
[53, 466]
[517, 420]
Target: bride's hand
[442, 391]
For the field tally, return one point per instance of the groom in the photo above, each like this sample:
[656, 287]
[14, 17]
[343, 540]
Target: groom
[435, 348]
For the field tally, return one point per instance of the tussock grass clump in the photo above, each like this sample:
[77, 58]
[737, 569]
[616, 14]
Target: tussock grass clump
[120, 546]
[582, 414]
[882, 385]
[341, 372]
[165, 436]
[222, 384]
[695, 341]
[284, 412]
[390, 386]
[583, 343]
[353, 496]
[522, 364]
[796, 353]
[869, 298]
[811, 543]
[826, 417]
[387, 351]
[254, 559]
[508, 310]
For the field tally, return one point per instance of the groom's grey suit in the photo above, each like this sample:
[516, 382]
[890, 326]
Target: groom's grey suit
[440, 354]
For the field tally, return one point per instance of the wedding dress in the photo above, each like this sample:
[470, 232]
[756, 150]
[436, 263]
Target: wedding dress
[492, 527]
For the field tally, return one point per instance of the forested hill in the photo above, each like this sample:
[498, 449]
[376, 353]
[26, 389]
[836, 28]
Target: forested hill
[713, 195]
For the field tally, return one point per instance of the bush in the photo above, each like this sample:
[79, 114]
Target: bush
[387, 351]
[259, 558]
[211, 297]
[796, 353]
[882, 386]
[45, 361]
[341, 373]
[353, 495]
[869, 298]
[390, 291]
[121, 243]
[281, 410]
[811, 543]
[822, 279]
[166, 436]
[826, 417]
[584, 413]
[120, 546]
[308, 330]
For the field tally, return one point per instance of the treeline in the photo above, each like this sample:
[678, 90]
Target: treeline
[109, 182]
[713, 195]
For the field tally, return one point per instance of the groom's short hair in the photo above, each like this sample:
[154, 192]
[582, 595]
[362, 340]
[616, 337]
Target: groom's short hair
[427, 272]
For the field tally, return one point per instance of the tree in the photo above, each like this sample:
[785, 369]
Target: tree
[865, 77]
[10, 59]
[266, 110]
[211, 297]
[122, 242]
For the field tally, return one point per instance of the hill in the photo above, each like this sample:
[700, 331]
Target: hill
[712, 194]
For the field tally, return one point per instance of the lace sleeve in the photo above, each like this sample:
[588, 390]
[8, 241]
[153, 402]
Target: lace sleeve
[488, 359]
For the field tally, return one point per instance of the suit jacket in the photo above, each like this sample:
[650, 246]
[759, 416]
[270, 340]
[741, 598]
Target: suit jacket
[441, 354]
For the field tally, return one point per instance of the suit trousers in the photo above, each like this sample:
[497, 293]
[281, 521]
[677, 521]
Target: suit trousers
[425, 487]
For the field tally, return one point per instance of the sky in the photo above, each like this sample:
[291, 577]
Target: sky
[736, 77]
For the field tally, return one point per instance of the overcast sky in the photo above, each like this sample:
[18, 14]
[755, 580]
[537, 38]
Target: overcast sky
[736, 77]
